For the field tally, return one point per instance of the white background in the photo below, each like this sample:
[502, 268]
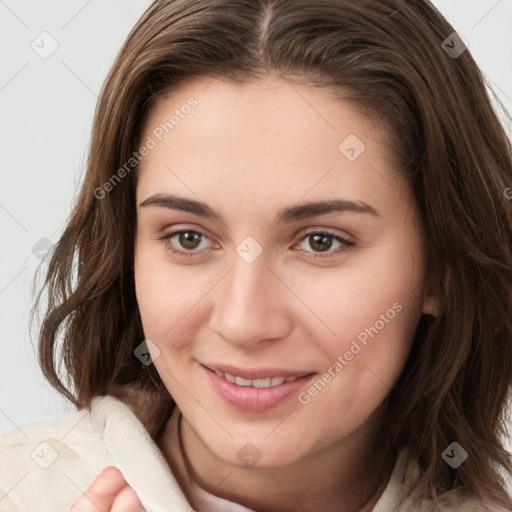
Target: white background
[46, 110]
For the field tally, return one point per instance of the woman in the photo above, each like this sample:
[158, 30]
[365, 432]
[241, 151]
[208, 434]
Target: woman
[285, 284]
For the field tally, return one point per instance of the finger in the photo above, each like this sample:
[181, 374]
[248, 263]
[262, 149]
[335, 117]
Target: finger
[85, 504]
[127, 501]
[101, 494]
[108, 483]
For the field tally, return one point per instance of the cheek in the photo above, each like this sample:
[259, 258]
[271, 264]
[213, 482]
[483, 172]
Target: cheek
[371, 306]
[161, 297]
[168, 295]
[166, 304]
[373, 311]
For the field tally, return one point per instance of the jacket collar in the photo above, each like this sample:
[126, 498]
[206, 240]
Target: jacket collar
[137, 456]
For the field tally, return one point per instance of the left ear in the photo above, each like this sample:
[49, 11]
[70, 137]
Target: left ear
[430, 305]
[431, 296]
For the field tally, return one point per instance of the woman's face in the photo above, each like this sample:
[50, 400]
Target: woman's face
[274, 239]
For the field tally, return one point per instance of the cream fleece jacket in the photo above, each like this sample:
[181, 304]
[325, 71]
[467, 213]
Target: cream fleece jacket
[46, 465]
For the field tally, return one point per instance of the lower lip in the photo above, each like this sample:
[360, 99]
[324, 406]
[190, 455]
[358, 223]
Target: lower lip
[248, 398]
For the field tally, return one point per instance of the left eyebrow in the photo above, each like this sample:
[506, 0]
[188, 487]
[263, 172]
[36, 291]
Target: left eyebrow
[289, 214]
[306, 210]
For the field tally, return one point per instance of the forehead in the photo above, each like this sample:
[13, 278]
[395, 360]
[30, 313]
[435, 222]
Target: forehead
[269, 112]
[264, 138]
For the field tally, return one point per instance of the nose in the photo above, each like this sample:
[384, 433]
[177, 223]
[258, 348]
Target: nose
[250, 306]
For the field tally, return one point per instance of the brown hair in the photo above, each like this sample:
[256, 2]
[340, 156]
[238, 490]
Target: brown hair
[387, 56]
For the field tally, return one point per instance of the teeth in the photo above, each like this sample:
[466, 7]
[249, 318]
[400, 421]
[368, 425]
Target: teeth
[230, 378]
[255, 383]
[240, 381]
[262, 383]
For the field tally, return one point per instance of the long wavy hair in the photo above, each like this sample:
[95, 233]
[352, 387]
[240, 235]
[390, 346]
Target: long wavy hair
[390, 57]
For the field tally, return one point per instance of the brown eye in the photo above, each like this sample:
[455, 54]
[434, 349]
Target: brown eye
[317, 243]
[189, 239]
[186, 242]
[320, 242]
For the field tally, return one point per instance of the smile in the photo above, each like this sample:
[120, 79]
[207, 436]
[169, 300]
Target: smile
[267, 382]
[258, 390]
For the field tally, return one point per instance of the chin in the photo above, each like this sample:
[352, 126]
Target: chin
[258, 453]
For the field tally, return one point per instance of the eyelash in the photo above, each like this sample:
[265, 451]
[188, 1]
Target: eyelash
[349, 244]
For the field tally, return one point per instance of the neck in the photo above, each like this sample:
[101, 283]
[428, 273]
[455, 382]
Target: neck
[350, 476]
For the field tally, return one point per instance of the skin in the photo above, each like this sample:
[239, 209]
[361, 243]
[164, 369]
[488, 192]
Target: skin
[108, 492]
[248, 151]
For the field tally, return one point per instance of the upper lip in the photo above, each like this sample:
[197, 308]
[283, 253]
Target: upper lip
[256, 373]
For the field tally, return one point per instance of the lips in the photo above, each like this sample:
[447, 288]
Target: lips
[255, 390]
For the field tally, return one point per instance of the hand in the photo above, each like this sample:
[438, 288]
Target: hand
[108, 493]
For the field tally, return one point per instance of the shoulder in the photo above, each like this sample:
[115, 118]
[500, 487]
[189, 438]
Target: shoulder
[47, 465]
[35, 456]
[453, 503]
[457, 500]
[72, 436]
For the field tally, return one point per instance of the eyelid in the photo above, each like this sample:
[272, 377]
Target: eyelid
[301, 233]
[327, 231]
[175, 229]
